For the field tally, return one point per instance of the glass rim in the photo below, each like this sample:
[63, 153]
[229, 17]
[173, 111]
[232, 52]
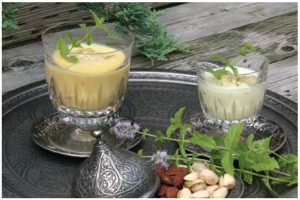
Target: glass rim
[47, 45]
[244, 74]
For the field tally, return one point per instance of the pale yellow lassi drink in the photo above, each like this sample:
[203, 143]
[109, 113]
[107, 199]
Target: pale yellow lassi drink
[230, 98]
[87, 69]
[97, 82]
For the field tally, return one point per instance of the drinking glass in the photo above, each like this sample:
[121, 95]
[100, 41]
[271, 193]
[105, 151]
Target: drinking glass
[231, 99]
[88, 93]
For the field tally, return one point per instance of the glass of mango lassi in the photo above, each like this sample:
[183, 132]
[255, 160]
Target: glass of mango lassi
[231, 99]
[89, 90]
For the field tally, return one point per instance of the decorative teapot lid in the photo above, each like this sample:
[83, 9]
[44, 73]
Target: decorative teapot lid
[115, 173]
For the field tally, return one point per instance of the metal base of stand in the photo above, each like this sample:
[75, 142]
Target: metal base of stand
[56, 134]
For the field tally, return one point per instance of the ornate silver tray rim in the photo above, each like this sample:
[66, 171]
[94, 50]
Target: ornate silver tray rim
[14, 99]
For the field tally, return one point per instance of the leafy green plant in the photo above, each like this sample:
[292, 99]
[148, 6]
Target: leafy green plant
[9, 11]
[253, 157]
[218, 73]
[151, 38]
[65, 49]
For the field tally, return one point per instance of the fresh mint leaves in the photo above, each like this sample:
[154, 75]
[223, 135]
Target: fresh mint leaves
[203, 140]
[248, 47]
[218, 73]
[65, 49]
[175, 122]
[232, 138]
[253, 156]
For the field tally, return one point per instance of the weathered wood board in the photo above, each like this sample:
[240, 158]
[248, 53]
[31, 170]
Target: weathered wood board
[33, 18]
[208, 28]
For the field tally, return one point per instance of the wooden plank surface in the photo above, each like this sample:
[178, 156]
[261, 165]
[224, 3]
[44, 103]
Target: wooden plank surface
[33, 18]
[208, 28]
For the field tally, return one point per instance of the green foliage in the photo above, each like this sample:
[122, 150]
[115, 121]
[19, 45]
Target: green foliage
[266, 181]
[253, 156]
[175, 122]
[151, 38]
[218, 73]
[289, 164]
[227, 162]
[65, 49]
[247, 47]
[9, 11]
[232, 138]
[203, 140]
[140, 152]
[159, 137]
[62, 46]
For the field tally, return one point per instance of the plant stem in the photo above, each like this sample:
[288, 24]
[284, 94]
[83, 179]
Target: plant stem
[199, 154]
[276, 154]
[261, 175]
[81, 40]
[220, 167]
[165, 138]
[279, 172]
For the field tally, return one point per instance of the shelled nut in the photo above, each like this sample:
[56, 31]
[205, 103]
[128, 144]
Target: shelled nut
[200, 194]
[198, 185]
[227, 181]
[191, 177]
[184, 193]
[220, 193]
[212, 188]
[198, 167]
[209, 176]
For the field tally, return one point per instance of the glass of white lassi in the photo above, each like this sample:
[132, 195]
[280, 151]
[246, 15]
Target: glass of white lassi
[233, 98]
[91, 89]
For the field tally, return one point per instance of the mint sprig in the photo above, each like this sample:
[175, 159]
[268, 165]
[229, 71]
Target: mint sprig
[65, 49]
[253, 156]
[247, 47]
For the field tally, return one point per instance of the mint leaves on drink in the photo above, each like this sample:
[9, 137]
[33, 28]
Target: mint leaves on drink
[228, 154]
[62, 42]
[247, 47]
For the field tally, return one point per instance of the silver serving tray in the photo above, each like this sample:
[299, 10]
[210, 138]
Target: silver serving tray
[152, 98]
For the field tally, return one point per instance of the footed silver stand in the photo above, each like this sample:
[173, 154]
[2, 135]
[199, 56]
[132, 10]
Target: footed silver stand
[110, 172]
[64, 134]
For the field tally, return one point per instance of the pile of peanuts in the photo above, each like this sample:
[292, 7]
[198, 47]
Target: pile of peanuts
[204, 183]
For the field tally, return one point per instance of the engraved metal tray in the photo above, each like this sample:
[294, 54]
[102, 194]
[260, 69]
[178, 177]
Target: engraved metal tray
[152, 98]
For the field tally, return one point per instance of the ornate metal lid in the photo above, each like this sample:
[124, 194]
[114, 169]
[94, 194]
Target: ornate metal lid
[111, 173]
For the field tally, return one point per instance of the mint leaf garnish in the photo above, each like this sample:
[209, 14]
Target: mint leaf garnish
[100, 23]
[218, 73]
[65, 49]
[247, 46]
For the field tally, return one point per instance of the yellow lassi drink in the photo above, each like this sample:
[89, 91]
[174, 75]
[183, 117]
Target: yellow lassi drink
[97, 82]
